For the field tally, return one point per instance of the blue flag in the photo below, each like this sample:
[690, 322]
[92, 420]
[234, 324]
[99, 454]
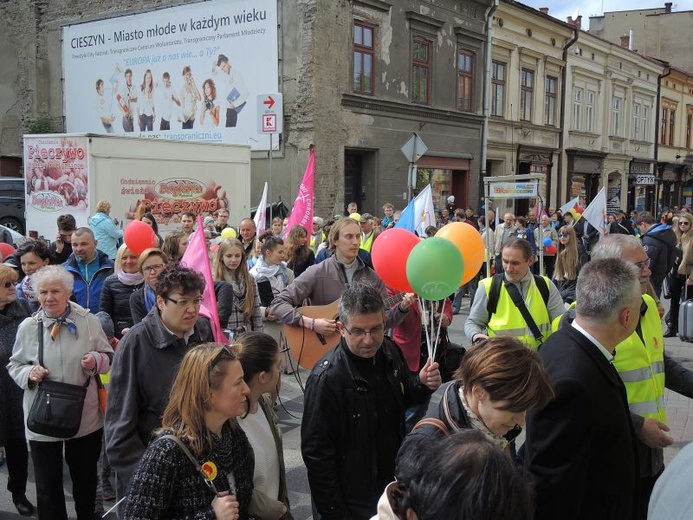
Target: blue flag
[407, 221]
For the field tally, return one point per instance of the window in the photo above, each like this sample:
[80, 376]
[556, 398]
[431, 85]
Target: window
[550, 101]
[689, 122]
[672, 121]
[421, 70]
[616, 105]
[635, 130]
[589, 110]
[465, 80]
[526, 94]
[664, 125]
[577, 108]
[364, 54]
[646, 122]
[497, 88]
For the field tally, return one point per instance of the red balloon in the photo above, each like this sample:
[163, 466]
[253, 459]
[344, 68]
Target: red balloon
[579, 209]
[389, 254]
[138, 237]
[551, 250]
[6, 250]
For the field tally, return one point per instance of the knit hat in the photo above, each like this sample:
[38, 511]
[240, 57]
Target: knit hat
[208, 221]
[451, 199]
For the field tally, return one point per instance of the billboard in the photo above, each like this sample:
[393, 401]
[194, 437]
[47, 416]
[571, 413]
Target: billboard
[57, 180]
[190, 72]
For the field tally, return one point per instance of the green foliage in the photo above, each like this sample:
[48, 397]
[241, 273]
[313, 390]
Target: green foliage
[42, 123]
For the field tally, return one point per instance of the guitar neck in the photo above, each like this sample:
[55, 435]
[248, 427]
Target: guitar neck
[394, 299]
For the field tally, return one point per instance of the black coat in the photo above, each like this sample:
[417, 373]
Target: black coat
[339, 429]
[115, 301]
[142, 373]
[659, 242]
[11, 413]
[580, 449]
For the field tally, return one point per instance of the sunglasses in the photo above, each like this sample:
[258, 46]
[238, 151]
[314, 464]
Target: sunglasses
[563, 235]
[7, 285]
[224, 352]
[682, 223]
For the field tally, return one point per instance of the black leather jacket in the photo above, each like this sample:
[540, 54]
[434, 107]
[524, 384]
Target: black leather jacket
[115, 301]
[338, 431]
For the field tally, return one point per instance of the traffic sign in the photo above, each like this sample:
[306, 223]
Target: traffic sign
[270, 110]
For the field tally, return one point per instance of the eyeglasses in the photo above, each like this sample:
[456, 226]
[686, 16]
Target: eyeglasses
[360, 333]
[642, 265]
[224, 351]
[563, 235]
[186, 302]
[7, 285]
[684, 223]
[151, 268]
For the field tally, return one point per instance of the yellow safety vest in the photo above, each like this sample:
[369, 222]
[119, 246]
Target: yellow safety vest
[312, 241]
[507, 320]
[641, 365]
[368, 243]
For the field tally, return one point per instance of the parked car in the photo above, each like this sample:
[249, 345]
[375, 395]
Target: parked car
[12, 204]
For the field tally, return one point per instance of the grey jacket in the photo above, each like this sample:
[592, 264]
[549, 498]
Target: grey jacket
[143, 370]
[324, 283]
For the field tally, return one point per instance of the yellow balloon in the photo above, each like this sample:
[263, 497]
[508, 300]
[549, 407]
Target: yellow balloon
[356, 217]
[228, 232]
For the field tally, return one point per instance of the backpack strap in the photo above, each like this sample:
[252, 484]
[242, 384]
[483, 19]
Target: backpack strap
[432, 421]
[519, 302]
[543, 287]
[494, 293]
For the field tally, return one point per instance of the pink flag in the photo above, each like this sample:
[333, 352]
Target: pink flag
[197, 259]
[302, 212]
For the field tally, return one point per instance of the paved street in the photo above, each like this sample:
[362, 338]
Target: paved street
[679, 409]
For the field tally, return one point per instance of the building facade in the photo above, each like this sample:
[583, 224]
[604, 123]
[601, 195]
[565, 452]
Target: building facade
[610, 125]
[526, 91]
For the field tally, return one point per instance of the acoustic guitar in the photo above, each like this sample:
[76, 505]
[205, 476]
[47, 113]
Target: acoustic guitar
[308, 346]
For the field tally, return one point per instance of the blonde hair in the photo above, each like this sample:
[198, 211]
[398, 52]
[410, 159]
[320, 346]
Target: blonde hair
[197, 377]
[223, 273]
[567, 260]
[7, 274]
[119, 258]
[152, 251]
[103, 206]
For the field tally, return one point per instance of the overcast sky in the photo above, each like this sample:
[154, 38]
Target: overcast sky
[561, 9]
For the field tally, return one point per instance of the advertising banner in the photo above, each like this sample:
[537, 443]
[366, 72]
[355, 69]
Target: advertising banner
[513, 190]
[57, 181]
[190, 72]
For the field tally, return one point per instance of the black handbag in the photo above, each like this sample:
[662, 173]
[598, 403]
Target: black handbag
[57, 407]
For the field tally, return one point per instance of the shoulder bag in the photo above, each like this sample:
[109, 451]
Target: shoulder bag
[57, 407]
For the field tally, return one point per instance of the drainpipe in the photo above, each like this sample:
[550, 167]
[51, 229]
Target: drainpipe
[658, 114]
[484, 126]
[564, 104]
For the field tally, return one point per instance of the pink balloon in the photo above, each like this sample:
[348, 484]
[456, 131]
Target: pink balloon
[389, 254]
[138, 237]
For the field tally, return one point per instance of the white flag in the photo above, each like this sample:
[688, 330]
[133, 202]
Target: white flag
[261, 213]
[570, 205]
[425, 211]
[595, 213]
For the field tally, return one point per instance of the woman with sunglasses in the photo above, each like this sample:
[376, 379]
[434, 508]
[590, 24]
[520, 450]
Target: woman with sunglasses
[200, 464]
[571, 256]
[681, 277]
[261, 361]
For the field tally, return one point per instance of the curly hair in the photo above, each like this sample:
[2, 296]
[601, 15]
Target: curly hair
[175, 277]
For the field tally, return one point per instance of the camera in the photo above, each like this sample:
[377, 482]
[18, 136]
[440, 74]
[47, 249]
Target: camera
[208, 104]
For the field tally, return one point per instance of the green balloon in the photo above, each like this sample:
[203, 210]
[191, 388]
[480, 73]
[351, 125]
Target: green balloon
[435, 268]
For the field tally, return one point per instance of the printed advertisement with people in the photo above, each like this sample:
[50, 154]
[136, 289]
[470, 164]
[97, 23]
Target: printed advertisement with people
[188, 73]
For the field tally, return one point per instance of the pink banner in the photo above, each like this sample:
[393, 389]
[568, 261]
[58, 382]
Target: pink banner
[197, 259]
[302, 212]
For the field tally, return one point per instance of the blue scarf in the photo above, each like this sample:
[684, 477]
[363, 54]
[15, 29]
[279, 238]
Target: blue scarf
[149, 297]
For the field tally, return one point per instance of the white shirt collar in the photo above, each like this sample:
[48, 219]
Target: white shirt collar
[608, 355]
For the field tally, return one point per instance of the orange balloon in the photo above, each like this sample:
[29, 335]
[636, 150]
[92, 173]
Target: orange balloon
[469, 242]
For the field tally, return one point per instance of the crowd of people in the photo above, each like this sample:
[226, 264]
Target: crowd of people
[189, 429]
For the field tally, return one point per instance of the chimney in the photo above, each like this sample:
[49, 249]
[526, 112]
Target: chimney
[577, 23]
[667, 7]
[544, 10]
[625, 41]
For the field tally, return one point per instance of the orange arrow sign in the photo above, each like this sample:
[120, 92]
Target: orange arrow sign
[269, 102]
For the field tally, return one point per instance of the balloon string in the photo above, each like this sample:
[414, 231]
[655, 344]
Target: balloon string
[440, 324]
[424, 320]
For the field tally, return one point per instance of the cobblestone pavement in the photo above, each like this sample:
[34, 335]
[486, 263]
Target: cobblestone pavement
[679, 409]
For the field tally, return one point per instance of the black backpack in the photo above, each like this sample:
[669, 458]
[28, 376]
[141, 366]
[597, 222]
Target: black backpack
[496, 284]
